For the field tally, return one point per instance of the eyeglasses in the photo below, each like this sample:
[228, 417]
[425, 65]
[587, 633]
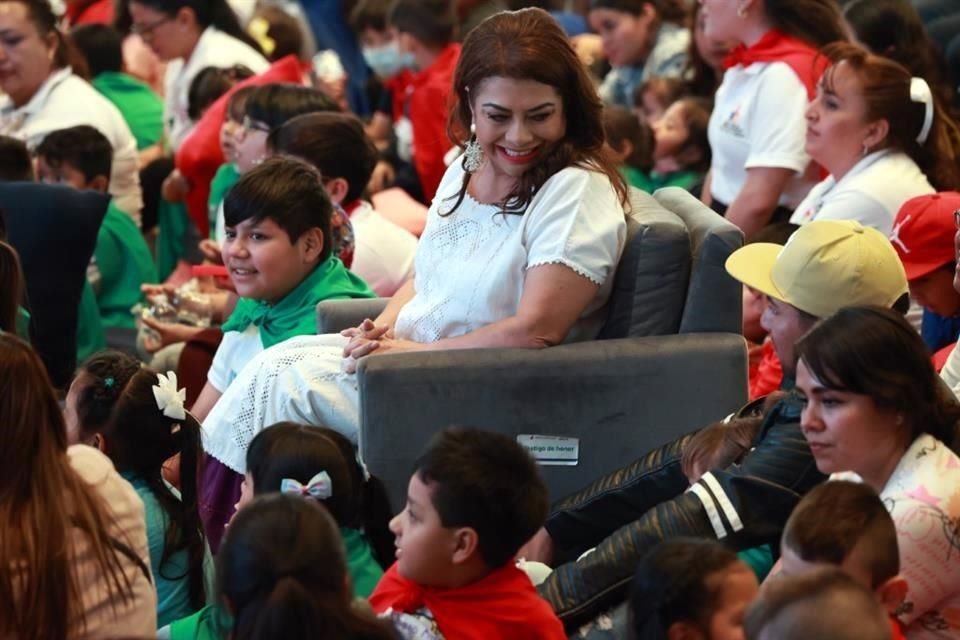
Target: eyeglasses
[956, 218]
[145, 30]
[252, 125]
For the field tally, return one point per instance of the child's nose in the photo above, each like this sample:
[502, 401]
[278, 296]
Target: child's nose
[394, 525]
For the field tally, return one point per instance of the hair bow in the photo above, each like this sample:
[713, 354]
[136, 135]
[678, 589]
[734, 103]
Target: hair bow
[319, 487]
[169, 399]
[920, 92]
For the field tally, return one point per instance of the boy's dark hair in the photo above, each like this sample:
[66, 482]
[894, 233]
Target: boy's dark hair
[488, 482]
[837, 516]
[621, 126]
[719, 445]
[672, 584]
[82, 147]
[274, 104]
[237, 103]
[286, 190]
[432, 22]
[100, 45]
[15, 163]
[335, 143]
[209, 84]
[284, 30]
[696, 114]
[370, 14]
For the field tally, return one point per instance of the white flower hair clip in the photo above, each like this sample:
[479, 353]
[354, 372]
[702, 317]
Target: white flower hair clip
[169, 399]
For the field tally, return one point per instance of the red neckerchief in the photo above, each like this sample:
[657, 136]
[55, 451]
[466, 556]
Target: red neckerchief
[351, 206]
[897, 628]
[96, 12]
[776, 46]
[504, 605]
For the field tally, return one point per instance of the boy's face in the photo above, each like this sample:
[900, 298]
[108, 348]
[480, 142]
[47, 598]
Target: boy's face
[250, 146]
[424, 546]
[739, 588]
[263, 263]
[64, 174]
[935, 292]
[670, 132]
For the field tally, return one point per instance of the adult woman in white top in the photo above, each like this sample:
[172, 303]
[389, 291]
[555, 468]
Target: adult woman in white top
[189, 35]
[73, 540]
[881, 134]
[519, 250]
[43, 94]
[757, 128]
[873, 406]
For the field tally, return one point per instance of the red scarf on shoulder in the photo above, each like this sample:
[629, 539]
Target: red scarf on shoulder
[776, 46]
[503, 605]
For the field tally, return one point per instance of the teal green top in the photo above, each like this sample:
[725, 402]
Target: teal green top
[760, 559]
[140, 107]
[172, 579]
[23, 323]
[211, 623]
[125, 263]
[296, 313]
[90, 338]
[227, 176]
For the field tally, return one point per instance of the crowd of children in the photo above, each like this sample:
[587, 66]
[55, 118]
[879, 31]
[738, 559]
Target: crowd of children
[249, 172]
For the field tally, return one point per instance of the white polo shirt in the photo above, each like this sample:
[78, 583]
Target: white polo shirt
[758, 121]
[66, 100]
[214, 49]
[871, 193]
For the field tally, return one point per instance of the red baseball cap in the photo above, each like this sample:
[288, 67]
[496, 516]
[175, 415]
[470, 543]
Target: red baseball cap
[923, 233]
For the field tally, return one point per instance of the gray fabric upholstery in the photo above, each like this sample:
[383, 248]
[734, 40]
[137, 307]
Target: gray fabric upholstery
[712, 297]
[620, 397]
[334, 316]
[650, 284]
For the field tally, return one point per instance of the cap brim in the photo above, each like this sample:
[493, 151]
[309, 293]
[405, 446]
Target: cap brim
[916, 270]
[753, 265]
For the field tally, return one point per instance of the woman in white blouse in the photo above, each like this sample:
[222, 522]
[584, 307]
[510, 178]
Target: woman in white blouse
[42, 94]
[189, 35]
[881, 134]
[520, 247]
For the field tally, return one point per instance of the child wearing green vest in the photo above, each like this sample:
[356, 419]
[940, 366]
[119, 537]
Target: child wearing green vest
[81, 157]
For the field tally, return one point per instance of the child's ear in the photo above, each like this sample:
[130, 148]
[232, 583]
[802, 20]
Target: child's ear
[312, 242]
[338, 188]
[466, 543]
[684, 631]
[99, 183]
[892, 593]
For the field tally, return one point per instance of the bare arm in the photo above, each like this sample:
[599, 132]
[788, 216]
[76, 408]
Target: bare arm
[403, 295]
[205, 401]
[754, 205]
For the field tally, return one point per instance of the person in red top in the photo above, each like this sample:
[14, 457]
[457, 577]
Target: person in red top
[425, 30]
[473, 500]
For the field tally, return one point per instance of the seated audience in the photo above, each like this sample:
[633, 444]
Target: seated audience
[881, 135]
[873, 406]
[631, 143]
[690, 588]
[845, 524]
[72, 527]
[337, 146]
[825, 604]
[681, 155]
[825, 266]
[209, 84]
[641, 39]
[15, 161]
[923, 237]
[473, 498]
[137, 418]
[46, 95]
[654, 95]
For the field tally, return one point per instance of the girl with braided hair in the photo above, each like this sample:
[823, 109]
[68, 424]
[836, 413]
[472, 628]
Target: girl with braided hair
[137, 418]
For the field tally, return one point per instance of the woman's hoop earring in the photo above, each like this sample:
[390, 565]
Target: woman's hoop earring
[473, 153]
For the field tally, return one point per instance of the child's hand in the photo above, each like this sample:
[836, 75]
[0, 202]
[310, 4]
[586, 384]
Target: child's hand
[162, 334]
[151, 291]
[211, 251]
[382, 177]
[175, 187]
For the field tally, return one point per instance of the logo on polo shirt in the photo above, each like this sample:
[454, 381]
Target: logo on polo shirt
[732, 124]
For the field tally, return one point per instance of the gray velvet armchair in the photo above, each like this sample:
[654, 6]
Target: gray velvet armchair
[669, 360]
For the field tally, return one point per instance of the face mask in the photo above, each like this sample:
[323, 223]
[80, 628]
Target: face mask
[387, 61]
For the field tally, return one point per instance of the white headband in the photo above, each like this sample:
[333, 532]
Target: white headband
[920, 92]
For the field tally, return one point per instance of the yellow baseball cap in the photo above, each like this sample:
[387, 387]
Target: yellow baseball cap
[825, 265]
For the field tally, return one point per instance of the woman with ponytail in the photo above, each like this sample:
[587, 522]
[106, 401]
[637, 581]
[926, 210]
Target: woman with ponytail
[137, 418]
[190, 35]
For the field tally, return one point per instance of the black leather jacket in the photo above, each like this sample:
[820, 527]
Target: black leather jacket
[633, 508]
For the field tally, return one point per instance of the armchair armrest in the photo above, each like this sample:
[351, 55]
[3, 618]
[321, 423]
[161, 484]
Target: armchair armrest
[620, 398]
[334, 316]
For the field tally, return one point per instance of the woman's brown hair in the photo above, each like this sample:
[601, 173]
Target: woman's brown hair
[530, 45]
[816, 22]
[885, 86]
[44, 507]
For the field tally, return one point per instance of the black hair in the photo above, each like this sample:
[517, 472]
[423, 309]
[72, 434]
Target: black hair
[668, 10]
[370, 14]
[274, 104]
[118, 401]
[209, 84]
[622, 126]
[488, 482]
[298, 452]
[237, 103]
[432, 22]
[335, 143]
[283, 571]
[284, 30]
[15, 163]
[873, 351]
[816, 22]
[286, 190]
[672, 584]
[82, 147]
[11, 287]
[101, 47]
[208, 13]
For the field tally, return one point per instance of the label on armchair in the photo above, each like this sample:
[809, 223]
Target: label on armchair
[551, 450]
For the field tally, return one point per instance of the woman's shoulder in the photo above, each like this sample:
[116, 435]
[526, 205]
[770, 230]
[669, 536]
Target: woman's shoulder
[580, 179]
[929, 476]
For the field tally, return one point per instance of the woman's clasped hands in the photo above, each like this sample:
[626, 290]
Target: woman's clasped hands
[369, 338]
